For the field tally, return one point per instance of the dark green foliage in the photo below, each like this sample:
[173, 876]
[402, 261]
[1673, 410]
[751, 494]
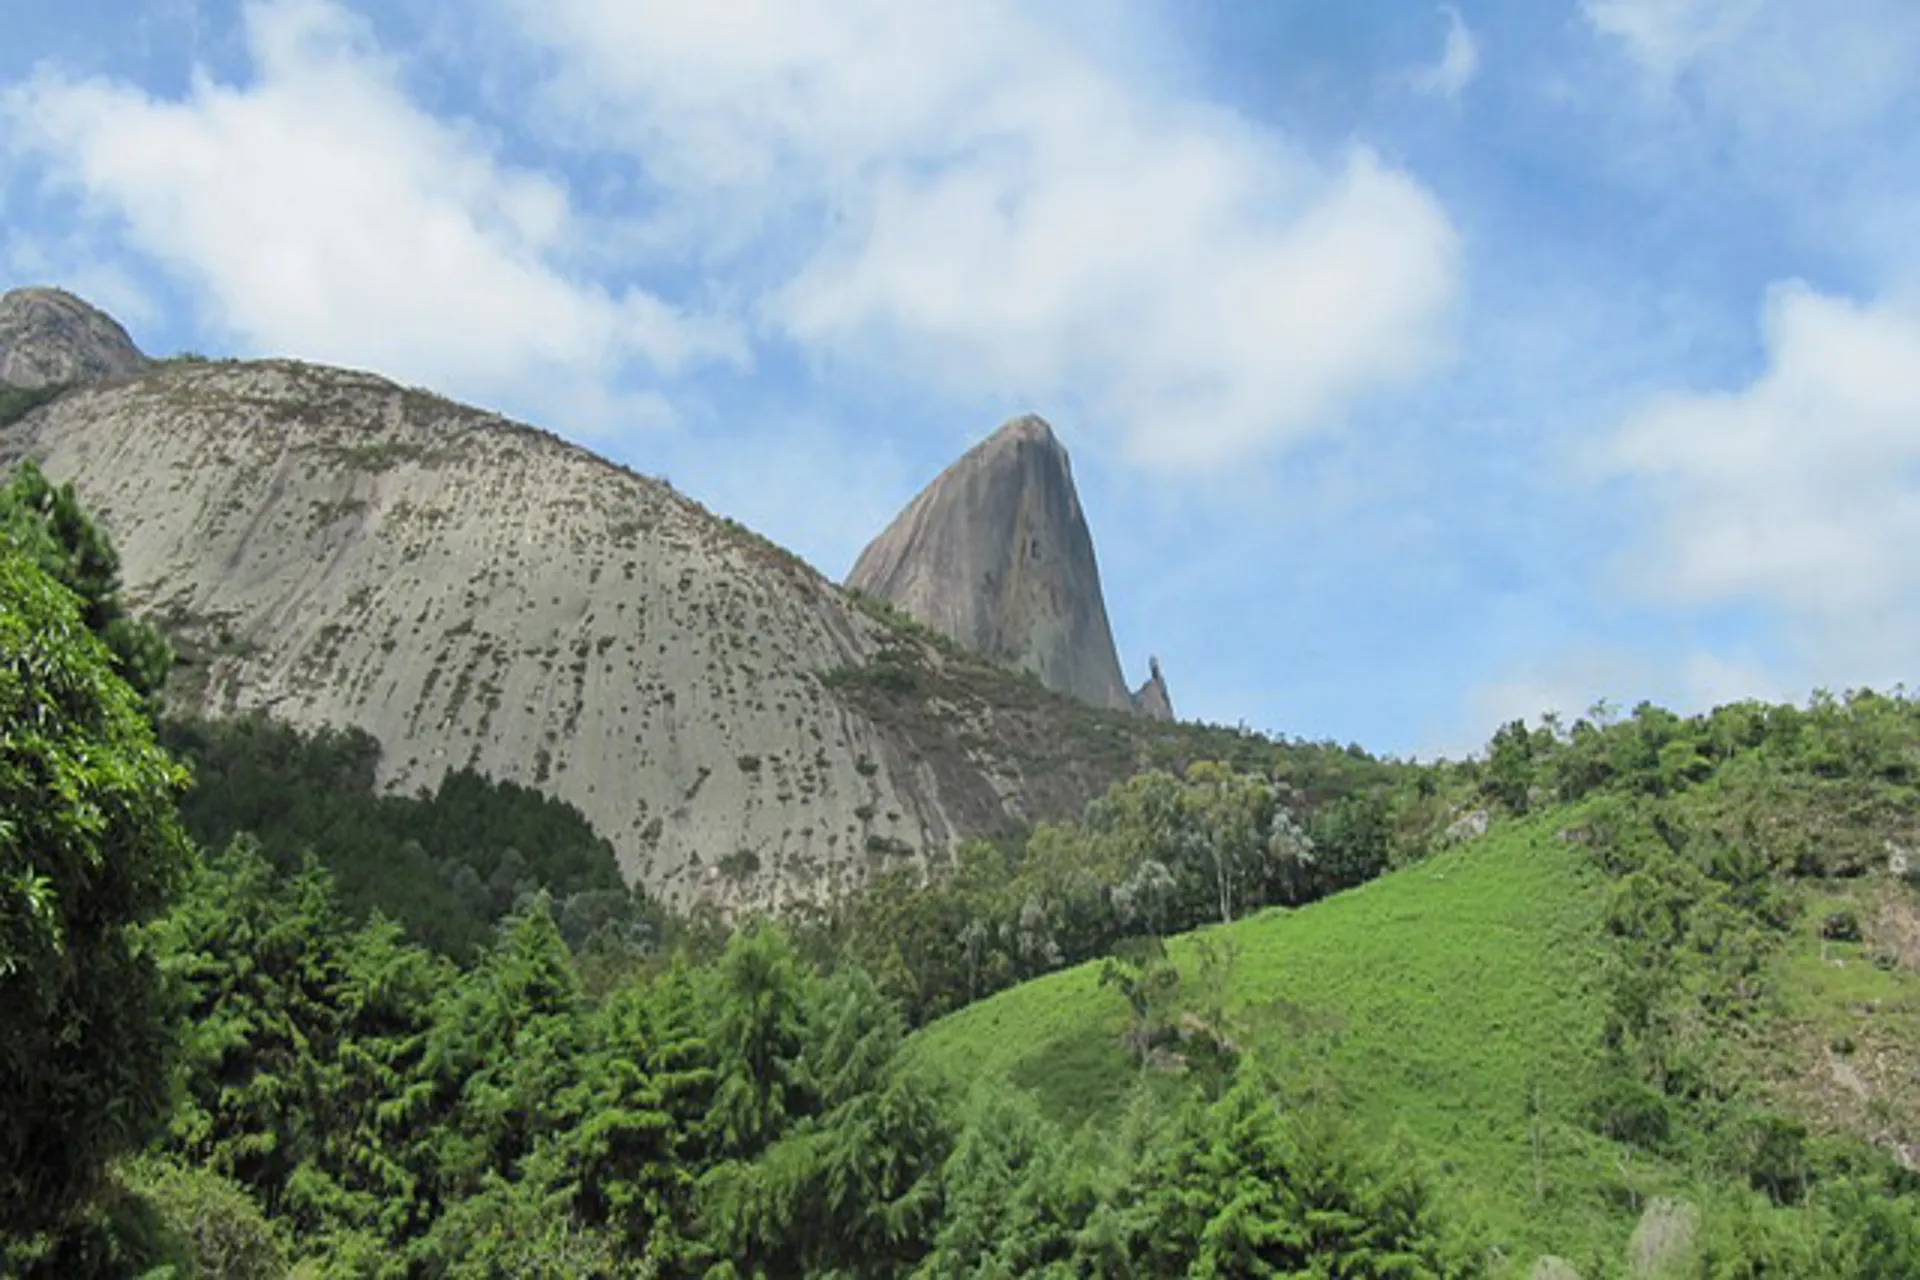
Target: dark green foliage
[17, 402]
[260, 961]
[764, 992]
[1841, 926]
[642, 1102]
[1018, 1195]
[1353, 842]
[1510, 767]
[117, 1233]
[367, 1169]
[1852, 1228]
[1775, 1151]
[1235, 1186]
[851, 1186]
[503, 1053]
[89, 850]
[302, 1045]
[1146, 979]
[48, 524]
[446, 864]
[1240, 1189]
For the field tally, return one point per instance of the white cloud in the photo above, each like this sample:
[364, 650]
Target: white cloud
[1667, 36]
[967, 195]
[1773, 67]
[325, 215]
[1800, 491]
[1459, 60]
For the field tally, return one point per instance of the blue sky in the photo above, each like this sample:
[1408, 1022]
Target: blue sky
[1423, 366]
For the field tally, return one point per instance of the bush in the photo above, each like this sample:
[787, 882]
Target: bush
[1776, 1159]
[1841, 926]
[1627, 1110]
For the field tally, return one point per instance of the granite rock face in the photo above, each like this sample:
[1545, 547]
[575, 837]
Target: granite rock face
[333, 549]
[996, 554]
[48, 337]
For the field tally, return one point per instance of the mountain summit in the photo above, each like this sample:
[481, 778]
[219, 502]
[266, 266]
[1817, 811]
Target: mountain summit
[995, 554]
[49, 337]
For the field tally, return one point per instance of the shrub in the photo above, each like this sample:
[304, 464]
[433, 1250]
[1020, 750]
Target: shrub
[1841, 926]
[1627, 1110]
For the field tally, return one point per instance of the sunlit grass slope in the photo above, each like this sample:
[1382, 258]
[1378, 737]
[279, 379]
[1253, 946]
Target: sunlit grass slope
[1453, 1005]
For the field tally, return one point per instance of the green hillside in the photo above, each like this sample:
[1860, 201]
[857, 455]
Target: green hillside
[1686, 969]
[1442, 1004]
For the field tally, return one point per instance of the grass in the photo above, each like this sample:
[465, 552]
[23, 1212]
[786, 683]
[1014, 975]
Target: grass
[1451, 1006]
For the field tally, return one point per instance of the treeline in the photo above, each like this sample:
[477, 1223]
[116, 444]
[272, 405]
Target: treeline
[1869, 738]
[447, 864]
[352, 1099]
[1158, 854]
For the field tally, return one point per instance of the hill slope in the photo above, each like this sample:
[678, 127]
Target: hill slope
[1437, 1003]
[1690, 969]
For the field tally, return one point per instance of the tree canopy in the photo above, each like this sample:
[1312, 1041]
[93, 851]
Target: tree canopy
[90, 850]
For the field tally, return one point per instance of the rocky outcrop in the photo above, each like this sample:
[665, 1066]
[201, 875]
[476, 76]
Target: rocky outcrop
[49, 338]
[1152, 699]
[996, 554]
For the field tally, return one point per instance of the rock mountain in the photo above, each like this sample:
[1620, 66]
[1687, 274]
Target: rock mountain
[332, 548]
[49, 337]
[996, 554]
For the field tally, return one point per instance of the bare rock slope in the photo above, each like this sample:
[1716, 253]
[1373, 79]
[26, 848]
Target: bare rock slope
[333, 549]
[996, 555]
[49, 337]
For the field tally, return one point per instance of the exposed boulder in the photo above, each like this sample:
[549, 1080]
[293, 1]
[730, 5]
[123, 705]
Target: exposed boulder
[1663, 1241]
[996, 554]
[49, 337]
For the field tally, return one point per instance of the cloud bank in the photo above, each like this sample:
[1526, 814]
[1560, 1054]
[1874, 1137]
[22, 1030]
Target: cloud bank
[981, 203]
[322, 214]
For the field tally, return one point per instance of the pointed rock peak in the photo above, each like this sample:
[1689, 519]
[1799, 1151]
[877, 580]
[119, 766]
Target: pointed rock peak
[49, 336]
[1025, 441]
[1152, 699]
[1028, 428]
[996, 554]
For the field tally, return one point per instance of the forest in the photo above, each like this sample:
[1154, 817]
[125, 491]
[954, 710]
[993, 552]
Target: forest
[258, 1018]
